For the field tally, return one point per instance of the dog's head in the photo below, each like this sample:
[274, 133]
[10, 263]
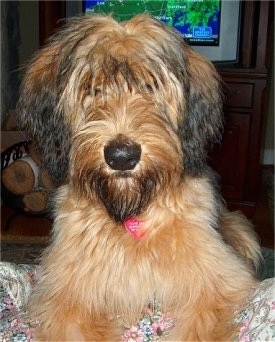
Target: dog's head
[120, 110]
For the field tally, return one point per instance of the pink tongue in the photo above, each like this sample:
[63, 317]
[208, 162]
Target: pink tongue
[134, 227]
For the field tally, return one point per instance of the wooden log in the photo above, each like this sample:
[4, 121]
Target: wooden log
[36, 201]
[21, 176]
[46, 180]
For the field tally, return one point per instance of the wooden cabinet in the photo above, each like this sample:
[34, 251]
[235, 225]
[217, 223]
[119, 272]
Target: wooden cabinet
[238, 158]
[239, 93]
[229, 158]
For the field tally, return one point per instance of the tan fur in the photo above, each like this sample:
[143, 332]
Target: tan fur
[134, 82]
[239, 233]
[93, 270]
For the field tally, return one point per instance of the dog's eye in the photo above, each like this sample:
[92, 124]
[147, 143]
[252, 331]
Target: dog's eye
[86, 89]
[151, 87]
[97, 92]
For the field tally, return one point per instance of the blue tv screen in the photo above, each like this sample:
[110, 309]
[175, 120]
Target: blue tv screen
[198, 21]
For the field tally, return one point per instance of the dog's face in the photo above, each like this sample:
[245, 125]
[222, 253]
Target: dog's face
[120, 110]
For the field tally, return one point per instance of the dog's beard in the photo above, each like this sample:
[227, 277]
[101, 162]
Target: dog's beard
[124, 195]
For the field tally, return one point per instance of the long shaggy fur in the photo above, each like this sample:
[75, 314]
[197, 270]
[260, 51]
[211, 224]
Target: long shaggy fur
[100, 83]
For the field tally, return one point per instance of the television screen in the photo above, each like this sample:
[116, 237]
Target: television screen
[197, 21]
[210, 26]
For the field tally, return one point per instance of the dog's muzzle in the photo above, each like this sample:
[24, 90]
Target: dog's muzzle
[122, 154]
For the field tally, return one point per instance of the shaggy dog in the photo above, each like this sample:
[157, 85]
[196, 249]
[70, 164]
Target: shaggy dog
[142, 245]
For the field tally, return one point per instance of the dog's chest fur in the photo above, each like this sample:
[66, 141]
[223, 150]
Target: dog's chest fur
[125, 274]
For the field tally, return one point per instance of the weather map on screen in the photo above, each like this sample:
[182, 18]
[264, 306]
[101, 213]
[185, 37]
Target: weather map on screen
[198, 21]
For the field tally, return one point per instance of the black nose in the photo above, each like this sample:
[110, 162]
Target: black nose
[122, 154]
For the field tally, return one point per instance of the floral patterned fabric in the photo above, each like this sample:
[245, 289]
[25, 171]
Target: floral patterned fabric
[16, 283]
[258, 319]
[152, 327]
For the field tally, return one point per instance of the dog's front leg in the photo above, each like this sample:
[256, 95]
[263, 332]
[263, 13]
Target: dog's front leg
[75, 325]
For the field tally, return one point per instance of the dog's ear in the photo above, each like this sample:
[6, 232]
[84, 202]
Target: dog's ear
[50, 90]
[39, 114]
[201, 124]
